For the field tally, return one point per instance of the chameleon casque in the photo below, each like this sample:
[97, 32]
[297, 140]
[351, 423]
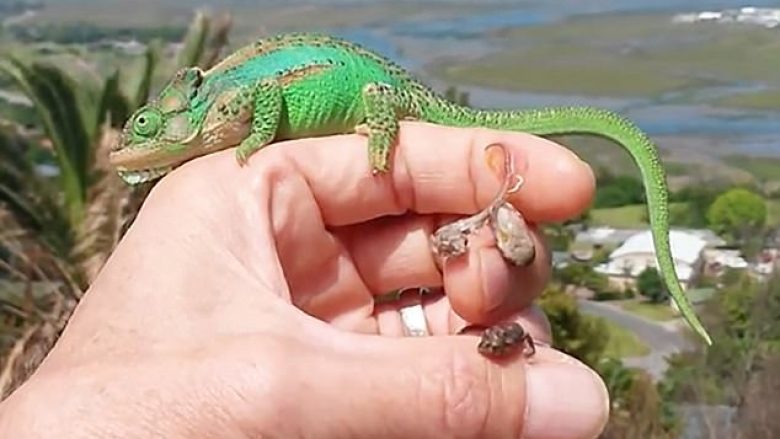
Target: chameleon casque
[303, 85]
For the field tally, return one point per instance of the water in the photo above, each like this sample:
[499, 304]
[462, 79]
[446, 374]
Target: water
[529, 13]
[474, 25]
[677, 113]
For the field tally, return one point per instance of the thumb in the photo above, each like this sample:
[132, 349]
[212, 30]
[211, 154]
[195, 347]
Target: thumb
[433, 387]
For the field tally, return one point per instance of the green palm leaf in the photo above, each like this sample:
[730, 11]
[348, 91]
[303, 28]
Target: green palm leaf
[194, 41]
[56, 230]
[55, 103]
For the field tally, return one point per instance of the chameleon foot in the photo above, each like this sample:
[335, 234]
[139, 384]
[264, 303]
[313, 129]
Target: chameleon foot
[264, 100]
[247, 147]
[381, 107]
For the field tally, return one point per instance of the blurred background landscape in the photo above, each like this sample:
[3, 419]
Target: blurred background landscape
[701, 77]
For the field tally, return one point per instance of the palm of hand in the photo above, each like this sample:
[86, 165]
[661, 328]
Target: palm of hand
[231, 276]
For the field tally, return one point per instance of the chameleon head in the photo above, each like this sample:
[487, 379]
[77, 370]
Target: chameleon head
[159, 135]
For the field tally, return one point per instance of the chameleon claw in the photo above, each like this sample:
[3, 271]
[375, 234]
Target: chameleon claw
[379, 164]
[362, 129]
[249, 146]
[241, 157]
[375, 171]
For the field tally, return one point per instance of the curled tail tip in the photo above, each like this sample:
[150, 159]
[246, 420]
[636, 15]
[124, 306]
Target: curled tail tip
[693, 321]
[698, 327]
[705, 336]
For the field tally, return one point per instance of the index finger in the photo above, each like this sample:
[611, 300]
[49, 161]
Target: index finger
[438, 169]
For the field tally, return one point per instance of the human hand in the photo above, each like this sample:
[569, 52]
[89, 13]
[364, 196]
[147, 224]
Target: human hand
[240, 304]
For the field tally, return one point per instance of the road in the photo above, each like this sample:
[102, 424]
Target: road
[661, 338]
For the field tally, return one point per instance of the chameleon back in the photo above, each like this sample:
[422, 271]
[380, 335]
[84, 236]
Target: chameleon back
[321, 86]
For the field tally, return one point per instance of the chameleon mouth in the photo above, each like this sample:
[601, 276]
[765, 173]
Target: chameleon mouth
[142, 164]
[136, 177]
[139, 166]
[141, 157]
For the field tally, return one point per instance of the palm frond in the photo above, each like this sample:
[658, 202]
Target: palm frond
[57, 108]
[217, 41]
[28, 196]
[194, 41]
[114, 105]
[106, 213]
[146, 77]
[56, 231]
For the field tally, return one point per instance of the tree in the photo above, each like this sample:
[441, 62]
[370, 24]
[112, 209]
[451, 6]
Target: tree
[582, 275]
[738, 214]
[695, 199]
[639, 409]
[758, 418]
[650, 285]
[636, 406]
[742, 368]
[59, 228]
[452, 94]
[577, 334]
[584, 219]
[618, 190]
[558, 237]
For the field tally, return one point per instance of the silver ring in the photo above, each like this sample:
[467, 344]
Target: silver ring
[414, 321]
[413, 316]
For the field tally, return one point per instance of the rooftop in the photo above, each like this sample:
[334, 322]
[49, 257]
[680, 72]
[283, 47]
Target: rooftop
[686, 247]
[611, 236]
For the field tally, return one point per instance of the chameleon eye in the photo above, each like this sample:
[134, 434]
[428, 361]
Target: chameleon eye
[146, 123]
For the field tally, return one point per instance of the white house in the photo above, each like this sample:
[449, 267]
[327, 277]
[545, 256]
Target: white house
[716, 260]
[638, 252]
[604, 236]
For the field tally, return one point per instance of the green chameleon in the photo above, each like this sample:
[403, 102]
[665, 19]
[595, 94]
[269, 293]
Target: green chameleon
[303, 85]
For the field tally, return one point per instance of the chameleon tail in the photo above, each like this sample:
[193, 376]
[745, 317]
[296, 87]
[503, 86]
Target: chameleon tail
[603, 123]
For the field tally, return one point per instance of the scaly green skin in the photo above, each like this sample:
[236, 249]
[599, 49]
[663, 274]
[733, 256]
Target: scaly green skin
[303, 85]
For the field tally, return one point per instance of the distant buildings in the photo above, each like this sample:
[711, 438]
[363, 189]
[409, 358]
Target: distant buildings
[718, 260]
[637, 253]
[765, 17]
[696, 252]
[767, 261]
[605, 236]
[129, 47]
[609, 236]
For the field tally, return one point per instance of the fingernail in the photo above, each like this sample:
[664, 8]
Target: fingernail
[564, 401]
[587, 168]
